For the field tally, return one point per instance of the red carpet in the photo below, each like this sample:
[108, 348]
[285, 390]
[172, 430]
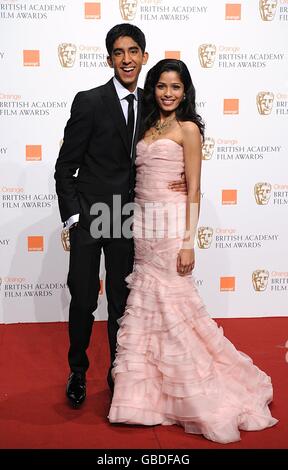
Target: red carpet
[34, 413]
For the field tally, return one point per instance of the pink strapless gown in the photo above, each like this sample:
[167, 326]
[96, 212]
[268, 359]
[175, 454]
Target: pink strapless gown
[173, 363]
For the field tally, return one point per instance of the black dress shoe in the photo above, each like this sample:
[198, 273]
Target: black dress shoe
[76, 388]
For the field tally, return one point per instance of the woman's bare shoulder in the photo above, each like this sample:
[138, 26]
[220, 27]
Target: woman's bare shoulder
[189, 126]
[189, 130]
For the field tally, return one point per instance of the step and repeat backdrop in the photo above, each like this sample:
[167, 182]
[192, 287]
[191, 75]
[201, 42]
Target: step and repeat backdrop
[237, 55]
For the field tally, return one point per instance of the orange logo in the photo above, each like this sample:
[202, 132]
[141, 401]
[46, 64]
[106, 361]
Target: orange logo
[173, 55]
[229, 196]
[101, 290]
[233, 11]
[33, 152]
[35, 243]
[227, 284]
[31, 58]
[231, 106]
[92, 11]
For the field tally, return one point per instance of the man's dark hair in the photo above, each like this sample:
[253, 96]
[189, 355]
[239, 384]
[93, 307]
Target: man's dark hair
[125, 29]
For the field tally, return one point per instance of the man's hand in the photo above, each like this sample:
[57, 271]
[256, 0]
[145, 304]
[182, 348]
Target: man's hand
[179, 185]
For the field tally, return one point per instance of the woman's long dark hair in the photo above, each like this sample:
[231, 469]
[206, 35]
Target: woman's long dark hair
[186, 110]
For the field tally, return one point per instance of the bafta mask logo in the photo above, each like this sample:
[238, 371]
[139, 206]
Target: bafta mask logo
[205, 236]
[65, 239]
[128, 9]
[260, 279]
[207, 54]
[264, 102]
[208, 148]
[262, 193]
[67, 54]
[267, 9]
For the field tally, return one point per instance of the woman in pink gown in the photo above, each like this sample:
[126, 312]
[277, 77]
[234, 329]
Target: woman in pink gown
[173, 363]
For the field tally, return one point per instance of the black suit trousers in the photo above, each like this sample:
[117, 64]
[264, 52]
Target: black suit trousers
[84, 285]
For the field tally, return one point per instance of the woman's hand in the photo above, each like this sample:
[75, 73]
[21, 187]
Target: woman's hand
[185, 261]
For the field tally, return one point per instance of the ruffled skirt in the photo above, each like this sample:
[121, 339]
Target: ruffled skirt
[173, 363]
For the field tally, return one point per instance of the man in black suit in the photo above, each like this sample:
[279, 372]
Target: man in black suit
[98, 143]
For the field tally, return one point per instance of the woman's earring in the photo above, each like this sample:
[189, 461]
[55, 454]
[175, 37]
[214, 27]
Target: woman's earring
[184, 97]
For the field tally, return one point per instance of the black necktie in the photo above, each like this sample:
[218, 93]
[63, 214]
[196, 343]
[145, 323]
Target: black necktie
[130, 121]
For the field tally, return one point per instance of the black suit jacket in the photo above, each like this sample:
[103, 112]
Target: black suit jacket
[96, 143]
